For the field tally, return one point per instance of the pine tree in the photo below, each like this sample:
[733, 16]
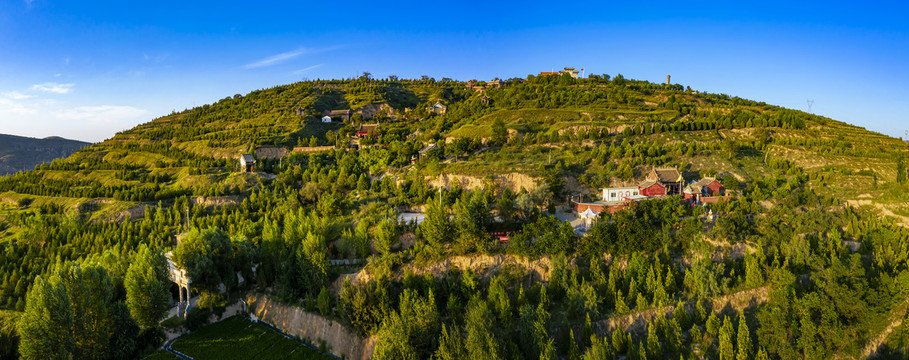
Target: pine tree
[724, 344]
[653, 342]
[762, 355]
[574, 353]
[363, 183]
[713, 325]
[753, 276]
[743, 345]
[599, 350]
[451, 344]
[619, 340]
[620, 306]
[587, 333]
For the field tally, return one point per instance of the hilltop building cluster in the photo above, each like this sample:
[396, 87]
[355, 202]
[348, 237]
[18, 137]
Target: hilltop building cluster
[568, 70]
[658, 183]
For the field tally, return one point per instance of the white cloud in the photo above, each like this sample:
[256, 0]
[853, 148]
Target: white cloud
[104, 114]
[282, 57]
[298, 72]
[11, 107]
[15, 95]
[275, 59]
[53, 87]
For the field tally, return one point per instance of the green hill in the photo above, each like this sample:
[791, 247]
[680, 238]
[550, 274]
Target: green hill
[807, 258]
[18, 153]
[603, 131]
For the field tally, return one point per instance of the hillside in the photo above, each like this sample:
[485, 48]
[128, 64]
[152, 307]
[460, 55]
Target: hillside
[18, 153]
[808, 247]
[602, 131]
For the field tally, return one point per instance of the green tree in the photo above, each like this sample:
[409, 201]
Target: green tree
[499, 132]
[619, 340]
[482, 342]
[744, 349]
[599, 350]
[713, 325]
[451, 345]
[653, 342]
[73, 315]
[45, 328]
[124, 333]
[147, 284]
[900, 170]
[387, 234]
[574, 353]
[206, 257]
[91, 296]
[324, 301]
[363, 183]
[753, 275]
[506, 205]
[725, 342]
[393, 340]
[499, 300]
[436, 227]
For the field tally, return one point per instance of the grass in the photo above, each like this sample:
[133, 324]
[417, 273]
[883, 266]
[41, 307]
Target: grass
[238, 338]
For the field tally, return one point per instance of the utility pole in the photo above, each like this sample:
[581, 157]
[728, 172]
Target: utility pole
[186, 224]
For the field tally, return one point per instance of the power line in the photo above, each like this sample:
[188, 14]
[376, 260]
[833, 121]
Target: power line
[810, 103]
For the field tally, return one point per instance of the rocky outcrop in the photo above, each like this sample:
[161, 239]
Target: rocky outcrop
[728, 304]
[514, 181]
[313, 328]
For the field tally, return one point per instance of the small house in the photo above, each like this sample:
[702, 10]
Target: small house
[326, 119]
[652, 188]
[437, 109]
[247, 163]
[706, 187]
[669, 178]
[344, 115]
[426, 149]
[619, 193]
[367, 129]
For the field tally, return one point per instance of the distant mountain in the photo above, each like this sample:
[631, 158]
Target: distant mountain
[24, 153]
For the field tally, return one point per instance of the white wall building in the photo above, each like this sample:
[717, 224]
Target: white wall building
[326, 119]
[619, 193]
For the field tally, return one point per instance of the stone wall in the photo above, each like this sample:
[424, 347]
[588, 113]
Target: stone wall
[295, 321]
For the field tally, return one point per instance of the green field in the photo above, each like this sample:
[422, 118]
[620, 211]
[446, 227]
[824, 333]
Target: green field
[161, 355]
[238, 338]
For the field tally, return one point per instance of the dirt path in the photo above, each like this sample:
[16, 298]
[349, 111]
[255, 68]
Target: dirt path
[897, 320]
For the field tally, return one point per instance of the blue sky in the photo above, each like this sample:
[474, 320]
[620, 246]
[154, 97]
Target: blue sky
[87, 69]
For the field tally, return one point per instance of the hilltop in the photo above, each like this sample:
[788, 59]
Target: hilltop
[19, 153]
